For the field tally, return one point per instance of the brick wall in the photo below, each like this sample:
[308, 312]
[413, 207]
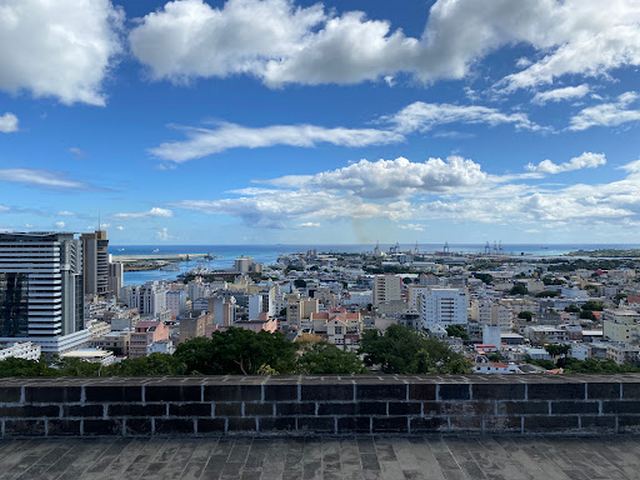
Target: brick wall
[319, 405]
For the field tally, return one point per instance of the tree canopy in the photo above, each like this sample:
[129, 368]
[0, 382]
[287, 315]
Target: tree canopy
[327, 359]
[237, 351]
[519, 289]
[402, 350]
[457, 331]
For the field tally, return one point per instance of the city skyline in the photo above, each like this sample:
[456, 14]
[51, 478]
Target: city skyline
[193, 122]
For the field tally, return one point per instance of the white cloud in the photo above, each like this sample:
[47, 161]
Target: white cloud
[310, 225]
[394, 178]
[163, 234]
[561, 94]
[271, 208]
[586, 160]
[610, 114]
[59, 49]
[416, 117]
[420, 116]
[120, 228]
[60, 225]
[155, 212]
[280, 43]
[415, 227]
[65, 213]
[202, 142]
[77, 152]
[39, 178]
[8, 123]
[412, 193]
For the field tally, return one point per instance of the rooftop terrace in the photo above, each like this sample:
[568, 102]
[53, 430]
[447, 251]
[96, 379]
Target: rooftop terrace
[353, 458]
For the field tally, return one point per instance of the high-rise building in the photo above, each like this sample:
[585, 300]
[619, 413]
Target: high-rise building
[386, 288]
[116, 276]
[41, 290]
[95, 247]
[223, 309]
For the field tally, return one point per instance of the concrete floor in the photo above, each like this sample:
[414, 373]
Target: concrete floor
[430, 458]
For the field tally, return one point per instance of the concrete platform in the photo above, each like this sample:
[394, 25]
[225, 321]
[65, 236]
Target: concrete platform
[411, 458]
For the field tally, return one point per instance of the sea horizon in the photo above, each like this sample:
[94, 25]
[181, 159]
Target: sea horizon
[224, 255]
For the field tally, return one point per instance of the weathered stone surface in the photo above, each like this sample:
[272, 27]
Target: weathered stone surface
[305, 405]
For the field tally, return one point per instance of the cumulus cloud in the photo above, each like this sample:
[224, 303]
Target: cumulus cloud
[39, 178]
[156, 212]
[281, 43]
[395, 178]
[421, 116]
[60, 225]
[586, 160]
[412, 193]
[8, 123]
[60, 49]
[201, 142]
[561, 94]
[310, 225]
[610, 114]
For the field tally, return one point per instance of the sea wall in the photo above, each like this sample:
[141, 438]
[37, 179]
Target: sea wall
[401, 405]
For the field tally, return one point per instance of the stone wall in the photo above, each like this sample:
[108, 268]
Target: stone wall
[319, 405]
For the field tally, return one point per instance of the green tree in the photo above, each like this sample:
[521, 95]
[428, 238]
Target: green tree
[76, 367]
[548, 294]
[557, 349]
[197, 356]
[458, 331]
[237, 351]
[326, 359]
[299, 283]
[587, 315]
[484, 277]
[405, 351]
[19, 367]
[519, 289]
[526, 315]
[550, 280]
[156, 364]
[593, 306]
[573, 308]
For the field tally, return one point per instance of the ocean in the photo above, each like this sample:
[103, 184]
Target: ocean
[266, 254]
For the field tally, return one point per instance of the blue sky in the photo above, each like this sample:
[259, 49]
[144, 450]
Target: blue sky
[274, 121]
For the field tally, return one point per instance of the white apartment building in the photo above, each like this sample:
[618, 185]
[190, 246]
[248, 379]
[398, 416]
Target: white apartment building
[386, 288]
[25, 350]
[441, 307]
[414, 296]
[150, 299]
